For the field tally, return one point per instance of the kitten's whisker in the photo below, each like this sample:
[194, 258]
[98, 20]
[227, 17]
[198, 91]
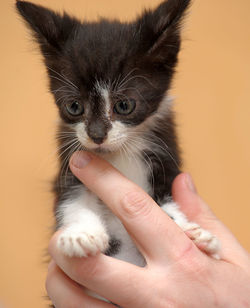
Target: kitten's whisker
[130, 154]
[66, 144]
[61, 80]
[71, 144]
[64, 98]
[164, 149]
[60, 89]
[64, 78]
[76, 148]
[123, 95]
[153, 145]
[59, 138]
[124, 79]
[149, 163]
[65, 136]
[116, 81]
[65, 163]
[134, 77]
[160, 161]
[65, 91]
[148, 134]
[70, 134]
[140, 150]
[134, 90]
[118, 139]
[145, 78]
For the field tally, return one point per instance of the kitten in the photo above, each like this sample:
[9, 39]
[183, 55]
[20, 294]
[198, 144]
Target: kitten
[110, 81]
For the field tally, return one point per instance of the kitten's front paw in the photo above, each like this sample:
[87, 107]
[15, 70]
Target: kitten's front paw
[203, 239]
[75, 241]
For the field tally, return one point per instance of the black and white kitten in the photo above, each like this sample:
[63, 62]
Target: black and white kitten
[110, 81]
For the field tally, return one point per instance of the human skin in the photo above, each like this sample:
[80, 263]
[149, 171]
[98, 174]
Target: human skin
[178, 274]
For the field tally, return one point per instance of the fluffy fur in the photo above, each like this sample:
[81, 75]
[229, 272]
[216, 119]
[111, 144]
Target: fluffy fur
[97, 71]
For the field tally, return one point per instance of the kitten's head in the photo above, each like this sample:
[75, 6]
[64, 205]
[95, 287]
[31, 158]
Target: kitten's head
[107, 77]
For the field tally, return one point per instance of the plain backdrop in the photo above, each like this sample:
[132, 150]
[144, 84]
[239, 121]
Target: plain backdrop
[212, 94]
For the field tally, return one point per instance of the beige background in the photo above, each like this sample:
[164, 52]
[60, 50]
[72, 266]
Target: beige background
[213, 112]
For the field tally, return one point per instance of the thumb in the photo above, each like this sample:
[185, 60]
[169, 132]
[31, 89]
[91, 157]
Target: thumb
[185, 194]
[191, 204]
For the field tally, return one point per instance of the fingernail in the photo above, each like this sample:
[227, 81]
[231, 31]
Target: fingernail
[190, 183]
[80, 159]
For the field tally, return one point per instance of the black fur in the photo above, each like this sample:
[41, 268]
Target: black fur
[114, 247]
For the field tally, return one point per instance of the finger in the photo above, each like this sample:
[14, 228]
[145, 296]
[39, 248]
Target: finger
[64, 292]
[185, 194]
[108, 277]
[156, 235]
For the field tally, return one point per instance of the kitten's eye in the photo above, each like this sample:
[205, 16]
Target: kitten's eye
[125, 107]
[75, 108]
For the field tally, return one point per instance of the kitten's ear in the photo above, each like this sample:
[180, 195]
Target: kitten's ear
[51, 30]
[160, 30]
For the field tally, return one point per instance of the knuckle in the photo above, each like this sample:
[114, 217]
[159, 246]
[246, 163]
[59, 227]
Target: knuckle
[136, 203]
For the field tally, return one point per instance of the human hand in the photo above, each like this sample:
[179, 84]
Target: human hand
[177, 274]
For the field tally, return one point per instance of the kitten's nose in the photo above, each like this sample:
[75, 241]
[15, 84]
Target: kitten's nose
[97, 131]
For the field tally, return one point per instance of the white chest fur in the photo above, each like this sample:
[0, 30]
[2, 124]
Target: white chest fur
[134, 168]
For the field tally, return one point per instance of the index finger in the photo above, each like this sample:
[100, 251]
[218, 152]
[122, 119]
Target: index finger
[155, 234]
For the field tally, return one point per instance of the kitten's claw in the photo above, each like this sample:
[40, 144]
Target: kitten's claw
[76, 242]
[204, 240]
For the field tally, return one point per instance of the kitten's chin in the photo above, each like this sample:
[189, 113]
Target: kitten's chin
[103, 148]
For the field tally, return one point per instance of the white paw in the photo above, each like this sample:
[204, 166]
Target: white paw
[75, 241]
[203, 239]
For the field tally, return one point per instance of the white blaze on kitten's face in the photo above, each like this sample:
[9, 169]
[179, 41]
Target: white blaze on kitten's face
[103, 90]
[105, 95]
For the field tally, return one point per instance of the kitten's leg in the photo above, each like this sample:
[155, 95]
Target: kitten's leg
[202, 238]
[84, 232]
